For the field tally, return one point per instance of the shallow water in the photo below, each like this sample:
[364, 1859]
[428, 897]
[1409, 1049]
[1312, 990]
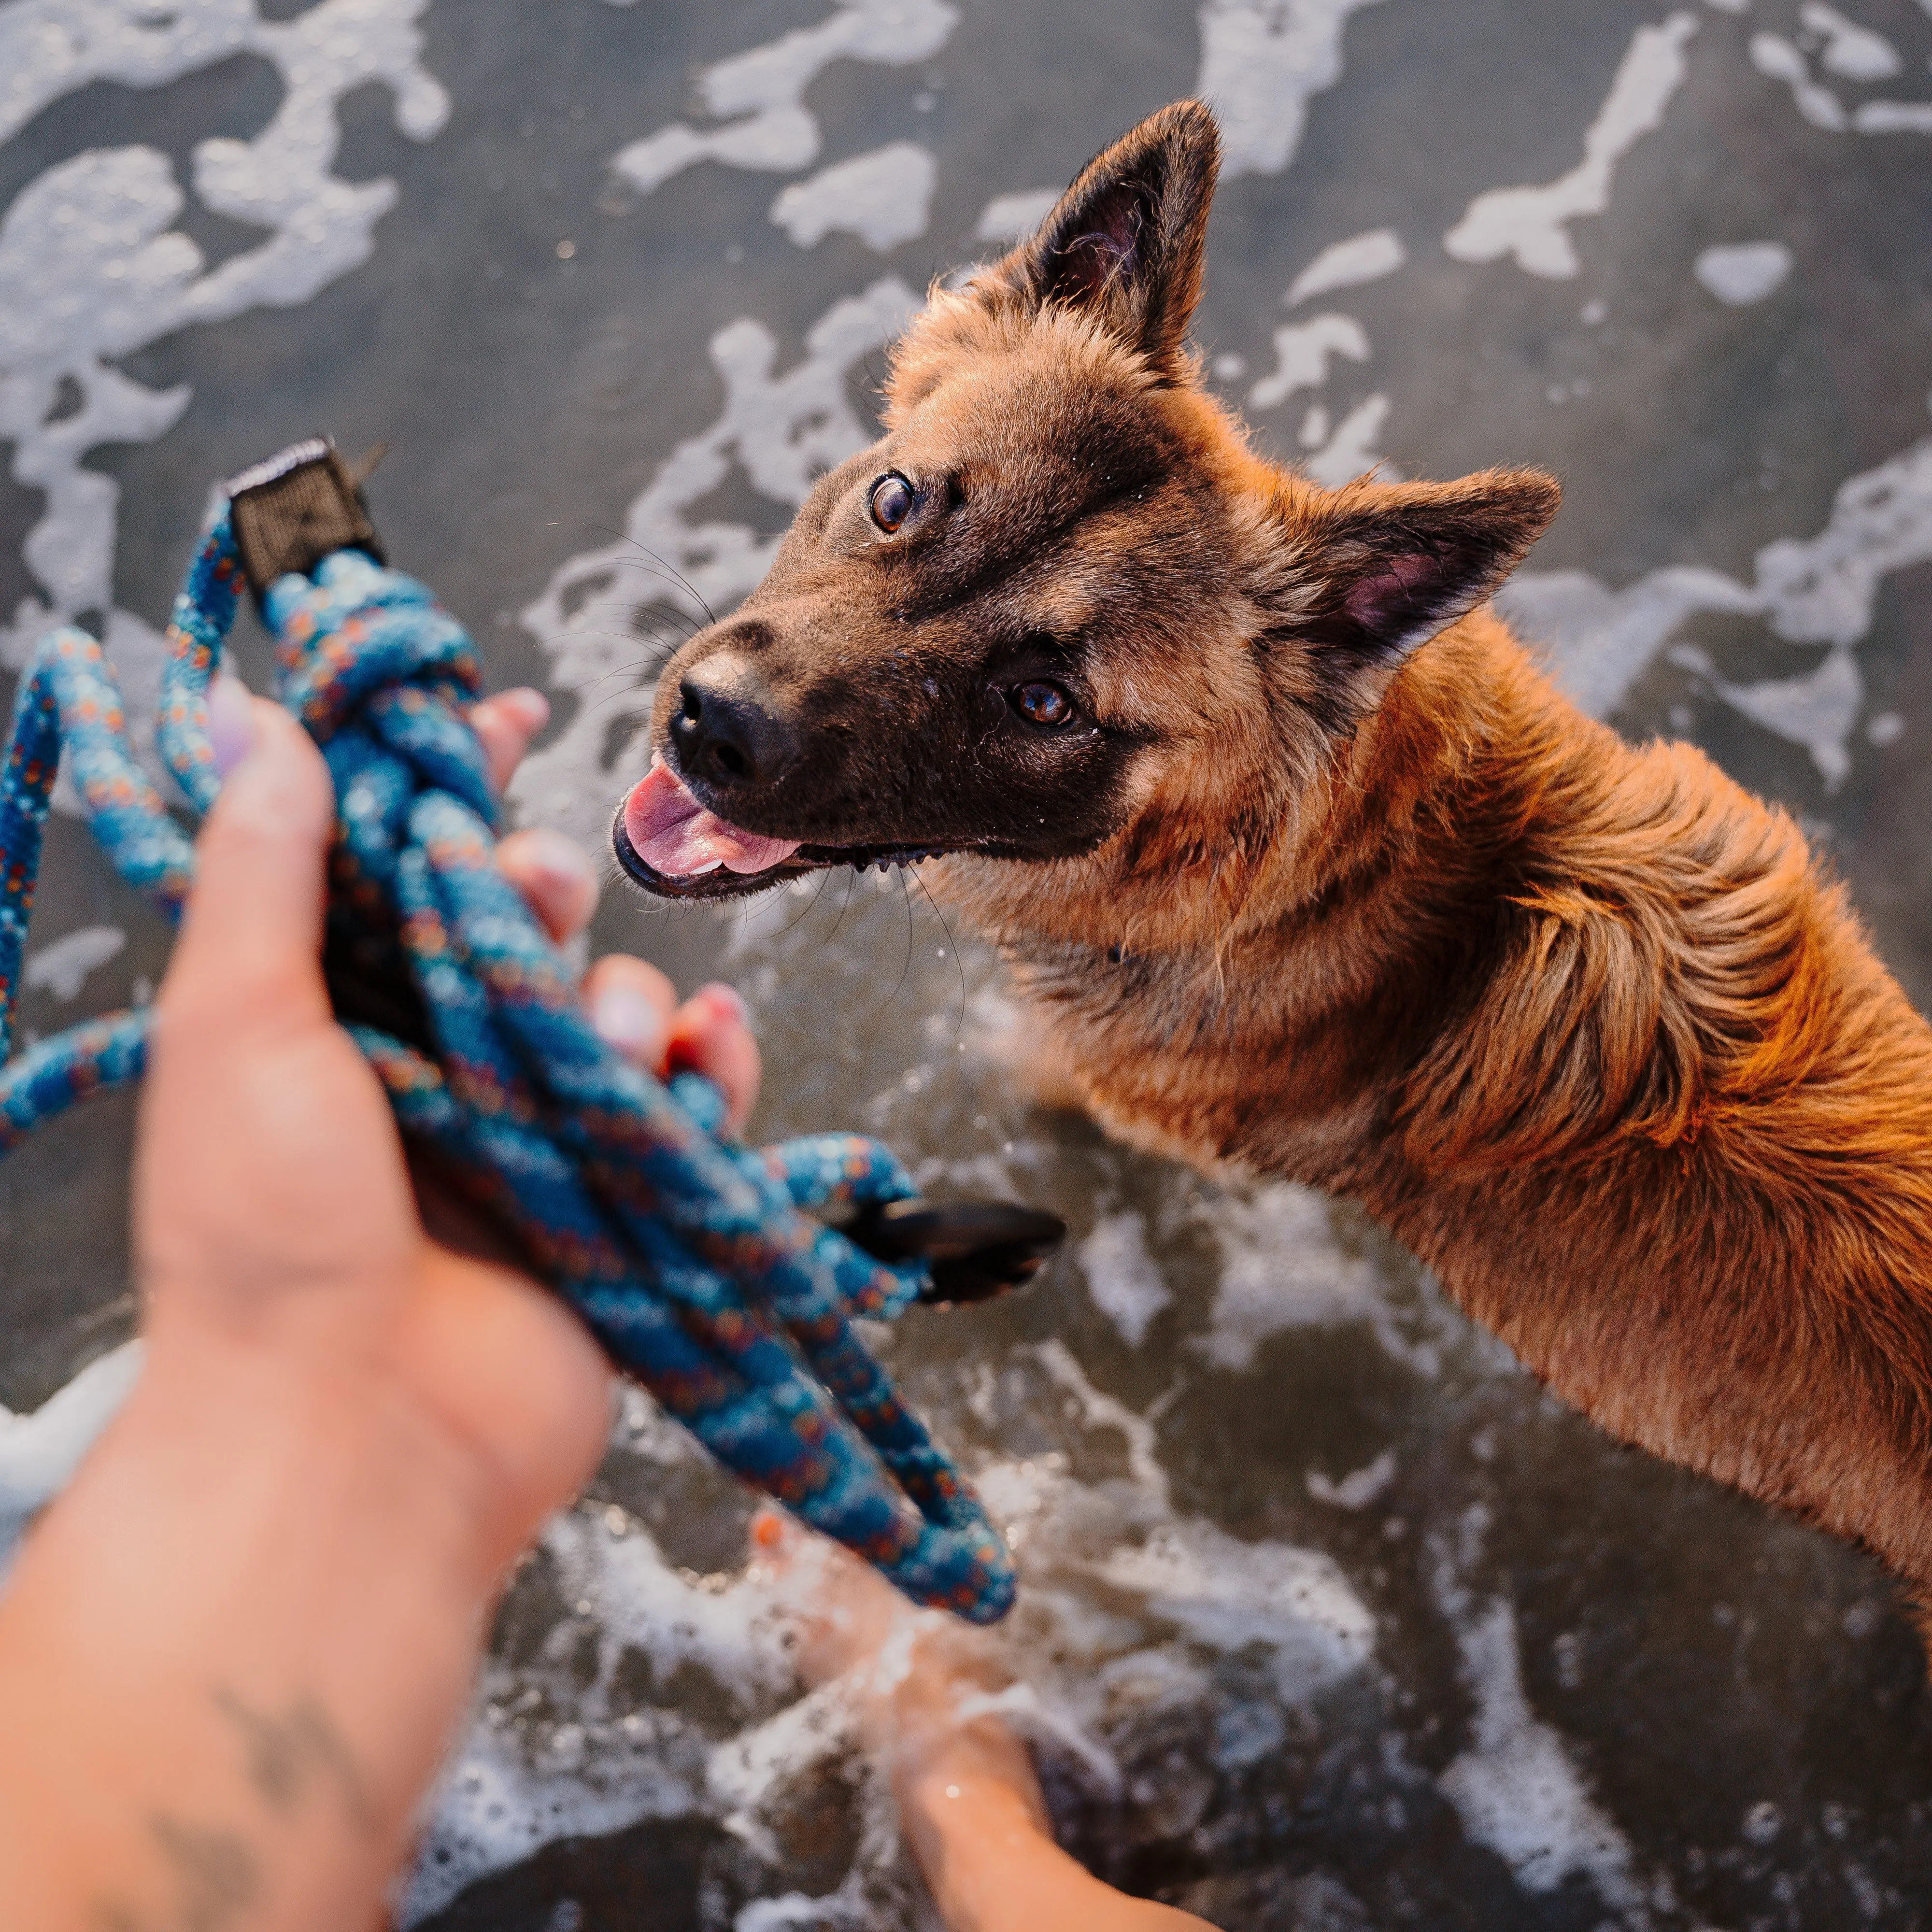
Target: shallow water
[1330, 1618]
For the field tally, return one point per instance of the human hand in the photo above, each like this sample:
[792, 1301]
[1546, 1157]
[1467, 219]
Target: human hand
[231, 1654]
[925, 1692]
[273, 1214]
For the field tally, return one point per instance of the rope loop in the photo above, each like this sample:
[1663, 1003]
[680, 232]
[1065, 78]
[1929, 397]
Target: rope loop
[700, 1264]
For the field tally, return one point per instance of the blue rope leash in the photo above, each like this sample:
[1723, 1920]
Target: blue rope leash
[689, 1256]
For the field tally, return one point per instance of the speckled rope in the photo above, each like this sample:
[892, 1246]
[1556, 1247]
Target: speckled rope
[687, 1254]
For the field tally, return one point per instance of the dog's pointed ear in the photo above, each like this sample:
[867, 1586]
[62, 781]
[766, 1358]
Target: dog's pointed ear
[1394, 565]
[1125, 241]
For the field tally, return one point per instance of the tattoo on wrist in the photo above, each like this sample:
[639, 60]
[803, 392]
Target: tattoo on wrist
[291, 1759]
[217, 1876]
[290, 1755]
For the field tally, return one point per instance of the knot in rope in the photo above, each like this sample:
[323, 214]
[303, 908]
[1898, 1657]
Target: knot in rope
[692, 1257]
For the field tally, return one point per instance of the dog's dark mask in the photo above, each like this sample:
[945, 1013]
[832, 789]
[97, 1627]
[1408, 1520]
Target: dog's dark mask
[903, 682]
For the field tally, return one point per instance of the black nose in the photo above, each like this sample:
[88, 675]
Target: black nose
[727, 729]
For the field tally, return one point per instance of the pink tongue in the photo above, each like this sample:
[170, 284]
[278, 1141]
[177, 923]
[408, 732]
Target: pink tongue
[674, 835]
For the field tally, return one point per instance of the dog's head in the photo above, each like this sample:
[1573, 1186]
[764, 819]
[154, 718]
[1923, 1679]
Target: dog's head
[1060, 593]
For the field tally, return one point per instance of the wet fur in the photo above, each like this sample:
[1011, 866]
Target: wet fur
[1345, 892]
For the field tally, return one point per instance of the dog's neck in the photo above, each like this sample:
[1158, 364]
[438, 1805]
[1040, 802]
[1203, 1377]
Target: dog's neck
[1384, 847]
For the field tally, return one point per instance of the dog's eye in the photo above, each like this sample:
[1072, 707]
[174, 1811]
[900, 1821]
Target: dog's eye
[891, 502]
[1043, 704]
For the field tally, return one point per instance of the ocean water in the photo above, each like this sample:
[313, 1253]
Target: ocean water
[1330, 1618]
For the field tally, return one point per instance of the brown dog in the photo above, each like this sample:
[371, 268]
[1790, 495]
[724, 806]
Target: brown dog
[1310, 872]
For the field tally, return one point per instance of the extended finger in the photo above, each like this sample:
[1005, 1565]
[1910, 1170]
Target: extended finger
[710, 1035]
[506, 722]
[555, 876]
[252, 926]
[630, 1004]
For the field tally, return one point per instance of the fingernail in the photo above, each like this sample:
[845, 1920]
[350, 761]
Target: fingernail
[725, 1000]
[559, 858]
[231, 721]
[626, 1020]
[531, 702]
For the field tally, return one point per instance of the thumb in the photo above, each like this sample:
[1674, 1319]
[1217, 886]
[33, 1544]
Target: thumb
[252, 931]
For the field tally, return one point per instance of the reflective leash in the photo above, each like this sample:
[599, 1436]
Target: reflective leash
[691, 1257]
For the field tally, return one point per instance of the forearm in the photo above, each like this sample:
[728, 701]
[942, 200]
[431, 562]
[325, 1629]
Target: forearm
[971, 1807]
[238, 1646]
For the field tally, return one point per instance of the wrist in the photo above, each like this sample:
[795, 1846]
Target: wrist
[249, 1625]
[938, 1789]
[471, 1401]
[303, 1460]
[983, 1840]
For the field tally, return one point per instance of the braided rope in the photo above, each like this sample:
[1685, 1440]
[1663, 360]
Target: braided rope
[688, 1255]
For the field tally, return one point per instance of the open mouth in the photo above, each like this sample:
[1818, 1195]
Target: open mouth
[674, 846]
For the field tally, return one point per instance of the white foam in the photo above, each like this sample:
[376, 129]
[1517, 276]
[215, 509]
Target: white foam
[566, 1761]
[745, 1771]
[1817, 709]
[1778, 58]
[1350, 451]
[642, 1603]
[1851, 52]
[855, 1901]
[1261, 62]
[1302, 351]
[1740, 273]
[1099, 1411]
[1893, 117]
[759, 96]
[883, 197]
[782, 428]
[1281, 1269]
[1514, 1786]
[39, 1451]
[1532, 223]
[1358, 1488]
[61, 969]
[1366, 257]
[1818, 590]
[92, 268]
[494, 1807]
[1221, 1593]
[1012, 217]
[1822, 590]
[1598, 642]
[1228, 1594]
[1124, 1279]
[49, 48]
